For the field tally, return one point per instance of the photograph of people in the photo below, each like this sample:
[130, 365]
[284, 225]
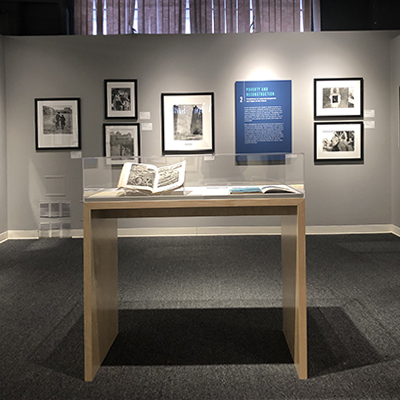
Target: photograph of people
[340, 141]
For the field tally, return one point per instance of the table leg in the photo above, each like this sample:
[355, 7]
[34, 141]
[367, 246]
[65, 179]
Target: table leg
[294, 288]
[100, 289]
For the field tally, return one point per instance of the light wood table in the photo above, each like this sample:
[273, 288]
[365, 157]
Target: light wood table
[101, 264]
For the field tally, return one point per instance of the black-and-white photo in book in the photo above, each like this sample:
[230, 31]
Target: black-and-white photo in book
[149, 178]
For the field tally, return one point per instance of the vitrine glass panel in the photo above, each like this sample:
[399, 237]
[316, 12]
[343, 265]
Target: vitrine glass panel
[193, 176]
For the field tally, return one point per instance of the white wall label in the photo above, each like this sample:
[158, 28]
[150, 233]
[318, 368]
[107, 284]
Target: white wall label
[144, 115]
[369, 124]
[147, 126]
[76, 154]
[369, 113]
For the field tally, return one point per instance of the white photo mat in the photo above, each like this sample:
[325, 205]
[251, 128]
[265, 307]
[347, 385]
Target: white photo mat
[205, 142]
[338, 97]
[125, 143]
[57, 124]
[125, 91]
[338, 141]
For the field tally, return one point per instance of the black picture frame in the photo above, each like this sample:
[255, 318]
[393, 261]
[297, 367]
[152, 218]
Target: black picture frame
[121, 141]
[57, 124]
[187, 123]
[339, 142]
[338, 98]
[120, 99]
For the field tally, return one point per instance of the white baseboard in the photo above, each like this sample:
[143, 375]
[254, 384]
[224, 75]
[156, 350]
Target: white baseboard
[348, 229]
[178, 231]
[254, 230]
[77, 233]
[3, 237]
[238, 230]
[396, 230]
[222, 231]
[23, 234]
[195, 231]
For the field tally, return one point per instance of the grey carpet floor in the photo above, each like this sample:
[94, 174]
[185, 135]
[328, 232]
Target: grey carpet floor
[200, 318]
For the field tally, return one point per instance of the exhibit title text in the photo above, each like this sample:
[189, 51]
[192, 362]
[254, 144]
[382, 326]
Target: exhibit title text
[258, 92]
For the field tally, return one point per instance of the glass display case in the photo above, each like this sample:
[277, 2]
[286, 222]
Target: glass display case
[193, 176]
[225, 185]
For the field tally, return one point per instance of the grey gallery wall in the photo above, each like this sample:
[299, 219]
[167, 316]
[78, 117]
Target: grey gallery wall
[3, 151]
[395, 143]
[48, 67]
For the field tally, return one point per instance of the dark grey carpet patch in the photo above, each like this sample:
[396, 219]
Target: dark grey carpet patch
[200, 318]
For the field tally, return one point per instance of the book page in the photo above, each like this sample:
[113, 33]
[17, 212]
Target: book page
[170, 177]
[138, 176]
[278, 189]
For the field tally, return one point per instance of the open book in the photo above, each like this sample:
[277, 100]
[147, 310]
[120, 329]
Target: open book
[149, 178]
[263, 189]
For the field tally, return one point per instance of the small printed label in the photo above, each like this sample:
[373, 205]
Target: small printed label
[144, 115]
[76, 154]
[147, 126]
[369, 124]
[369, 113]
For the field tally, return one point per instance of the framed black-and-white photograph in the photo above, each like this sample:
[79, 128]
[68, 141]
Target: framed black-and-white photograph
[120, 98]
[338, 142]
[121, 141]
[338, 97]
[57, 124]
[187, 123]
